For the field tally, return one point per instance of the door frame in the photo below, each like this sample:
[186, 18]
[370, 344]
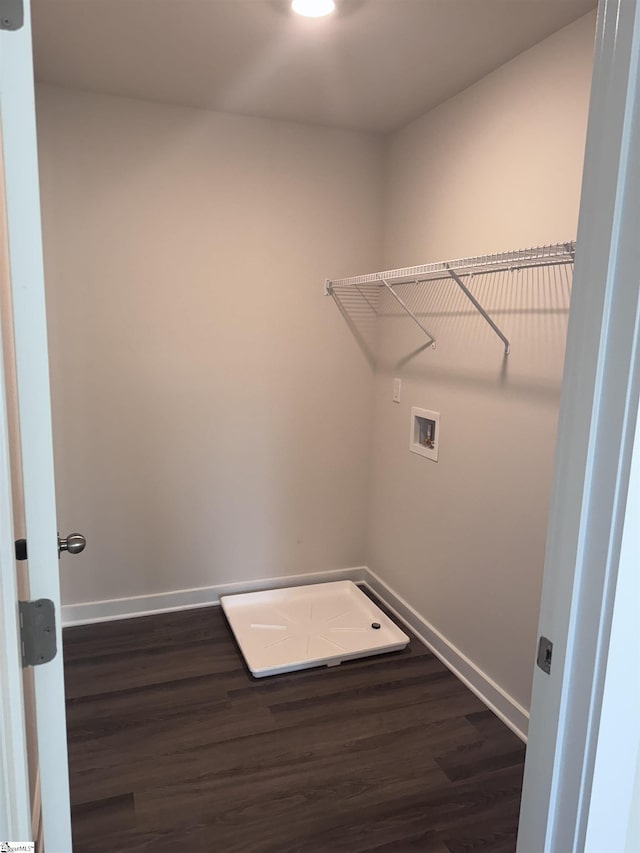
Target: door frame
[15, 806]
[596, 433]
[614, 803]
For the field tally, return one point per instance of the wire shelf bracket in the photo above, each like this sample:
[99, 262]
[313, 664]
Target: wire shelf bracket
[478, 307]
[431, 340]
[540, 256]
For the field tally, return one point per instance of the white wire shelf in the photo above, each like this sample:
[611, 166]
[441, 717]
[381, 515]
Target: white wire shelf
[456, 270]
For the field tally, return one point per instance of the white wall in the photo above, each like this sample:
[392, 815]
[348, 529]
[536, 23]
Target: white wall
[208, 399]
[496, 168]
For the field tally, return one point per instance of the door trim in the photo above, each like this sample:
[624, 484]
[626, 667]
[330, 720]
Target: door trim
[15, 808]
[598, 413]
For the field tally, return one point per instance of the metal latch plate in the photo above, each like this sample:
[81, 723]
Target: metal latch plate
[37, 631]
[545, 651]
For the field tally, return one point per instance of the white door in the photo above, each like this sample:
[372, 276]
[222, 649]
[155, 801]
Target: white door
[22, 206]
[596, 430]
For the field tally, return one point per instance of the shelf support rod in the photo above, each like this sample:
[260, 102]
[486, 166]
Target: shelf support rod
[476, 304]
[432, 340]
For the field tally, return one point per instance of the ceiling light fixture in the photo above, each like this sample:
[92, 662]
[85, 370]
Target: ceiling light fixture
[313, 8]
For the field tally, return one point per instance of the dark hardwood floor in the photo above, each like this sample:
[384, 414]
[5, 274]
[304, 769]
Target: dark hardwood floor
[174, 746]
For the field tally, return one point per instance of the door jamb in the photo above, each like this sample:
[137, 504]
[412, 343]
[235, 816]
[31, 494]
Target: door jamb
[15, 806]
[596, 430]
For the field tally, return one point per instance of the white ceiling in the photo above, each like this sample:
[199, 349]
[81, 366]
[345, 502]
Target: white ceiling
[376, 66]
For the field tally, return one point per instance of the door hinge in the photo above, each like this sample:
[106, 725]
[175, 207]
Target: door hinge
[37, 631]
[545, 652]
[11, 14]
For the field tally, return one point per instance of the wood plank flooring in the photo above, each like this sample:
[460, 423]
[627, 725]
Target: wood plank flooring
[173, 745]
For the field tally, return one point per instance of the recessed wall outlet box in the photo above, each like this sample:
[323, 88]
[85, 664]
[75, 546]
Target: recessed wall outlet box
[397, 389]
[425, 433]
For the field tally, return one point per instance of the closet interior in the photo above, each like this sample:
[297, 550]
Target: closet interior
[240, 403]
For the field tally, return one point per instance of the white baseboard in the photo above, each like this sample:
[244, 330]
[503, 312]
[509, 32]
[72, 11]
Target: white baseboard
[493, 696]
[113, 609]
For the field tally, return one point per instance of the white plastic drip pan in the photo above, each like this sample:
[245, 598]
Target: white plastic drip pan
[281, 630]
